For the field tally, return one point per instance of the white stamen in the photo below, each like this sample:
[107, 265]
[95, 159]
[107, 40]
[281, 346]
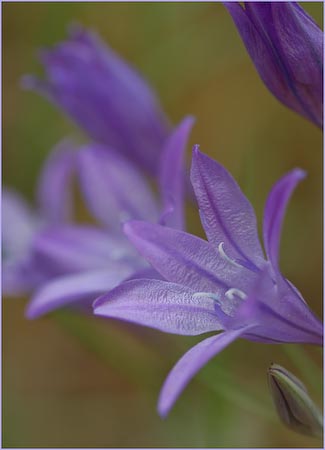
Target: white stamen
[232, 293]
[226, 257]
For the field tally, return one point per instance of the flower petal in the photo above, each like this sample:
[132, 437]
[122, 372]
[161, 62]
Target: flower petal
[172, 175]
[185, 259]
[19, 225]
[190, 364]
[54, 188]
[114, 189]
[168, 307]
[275, 208]
[226, 214]
[73, 289]
[105, 97]
[69, 249]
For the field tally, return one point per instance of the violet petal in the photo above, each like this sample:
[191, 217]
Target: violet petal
[190, 363]
[69, 289]
[70, 249]
[172, 175]
[226, 214]
[168, 307]
[275, 208]
[55, 184]
[185, 259]
[113, 188]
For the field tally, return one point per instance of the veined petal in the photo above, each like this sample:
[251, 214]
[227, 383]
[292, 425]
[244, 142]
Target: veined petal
[226, 214]
[172, 175]
[114, 189]
[72, 289]
[169, 307]
[69, 249]
[185, 259]
[190, 364]
[275, 208]
[54, 188]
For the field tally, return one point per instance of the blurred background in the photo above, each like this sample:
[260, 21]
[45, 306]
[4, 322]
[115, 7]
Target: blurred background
[75, 381]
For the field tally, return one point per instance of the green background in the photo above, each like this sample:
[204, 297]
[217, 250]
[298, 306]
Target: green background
[73, 381]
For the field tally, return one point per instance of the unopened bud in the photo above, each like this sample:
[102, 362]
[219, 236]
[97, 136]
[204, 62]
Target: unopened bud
[293, 404]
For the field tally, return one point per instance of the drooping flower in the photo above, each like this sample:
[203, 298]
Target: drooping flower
[21, 272]
[223, 284]
[104, 96]
[91, 260]
[286, 47]
[293, 404]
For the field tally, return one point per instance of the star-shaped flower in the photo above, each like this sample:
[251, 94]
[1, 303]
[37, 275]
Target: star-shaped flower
[224, 284]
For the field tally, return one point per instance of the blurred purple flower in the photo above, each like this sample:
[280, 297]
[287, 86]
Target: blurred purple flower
[21, 272]
[224, 284]
[104, 96]
[286, 46]
[90, 260]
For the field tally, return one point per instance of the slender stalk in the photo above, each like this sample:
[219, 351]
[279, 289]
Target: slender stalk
[118, 349]
[224, 385]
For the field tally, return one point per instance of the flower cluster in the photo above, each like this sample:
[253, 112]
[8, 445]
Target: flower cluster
[137, 263]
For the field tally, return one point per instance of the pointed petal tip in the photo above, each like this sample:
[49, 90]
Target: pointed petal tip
[298, 173]
[196, 151]
[162, 410]
[97, 303]
[31, 312]
[188, 121]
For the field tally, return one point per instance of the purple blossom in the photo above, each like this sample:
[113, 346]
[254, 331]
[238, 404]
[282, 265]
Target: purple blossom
[286, 46]
[224, 283]
[21, 272]
[104, 96]
[90, 260]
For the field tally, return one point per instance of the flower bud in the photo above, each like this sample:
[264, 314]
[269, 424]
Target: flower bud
[286, 47]
[293, 404]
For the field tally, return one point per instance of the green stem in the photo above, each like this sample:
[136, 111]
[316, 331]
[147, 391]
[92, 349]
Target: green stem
[139, 365]
[117, 348]
[225, 386]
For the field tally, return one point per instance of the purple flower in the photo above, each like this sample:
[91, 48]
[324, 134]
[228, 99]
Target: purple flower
[89, 260]
[223, 284]
[20, 224]
[286, 46]
[105, 97]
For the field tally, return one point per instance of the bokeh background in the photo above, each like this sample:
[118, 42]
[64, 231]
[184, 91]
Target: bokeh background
[74, 381]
